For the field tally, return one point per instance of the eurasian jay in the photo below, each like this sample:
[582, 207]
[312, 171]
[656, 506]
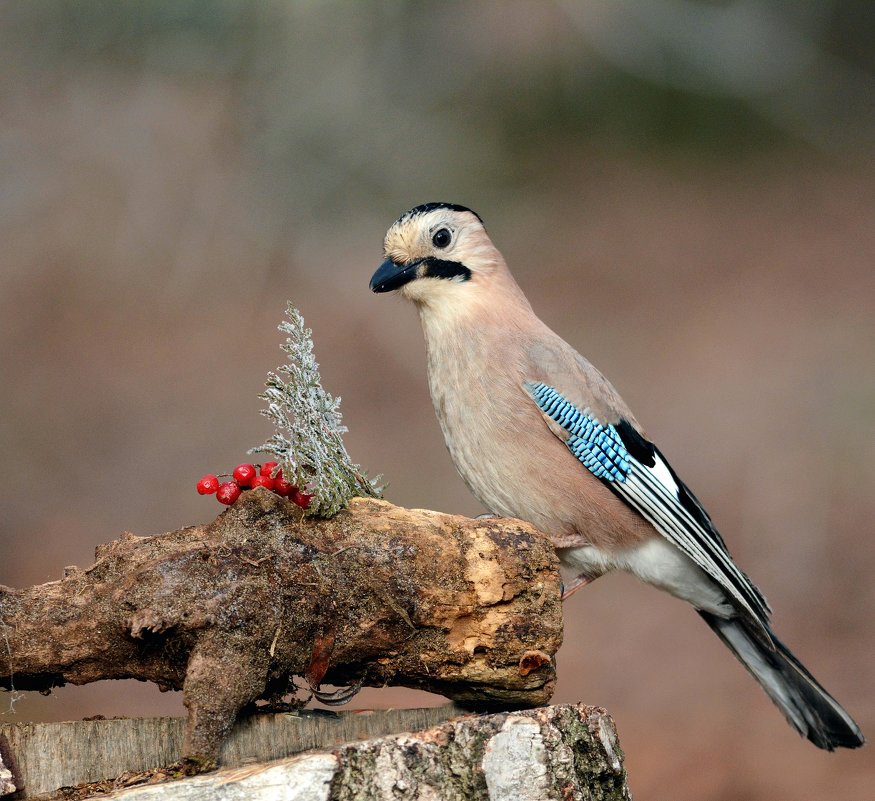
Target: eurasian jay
[538, 433]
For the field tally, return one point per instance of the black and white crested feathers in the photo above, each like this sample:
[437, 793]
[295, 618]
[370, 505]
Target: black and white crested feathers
[425, 208]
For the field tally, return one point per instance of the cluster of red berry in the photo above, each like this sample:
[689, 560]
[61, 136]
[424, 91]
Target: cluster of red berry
[247, 476]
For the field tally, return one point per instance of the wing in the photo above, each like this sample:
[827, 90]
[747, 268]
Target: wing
[634, 470]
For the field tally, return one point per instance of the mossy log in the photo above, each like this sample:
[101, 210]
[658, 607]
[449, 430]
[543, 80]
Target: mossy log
[230, 612]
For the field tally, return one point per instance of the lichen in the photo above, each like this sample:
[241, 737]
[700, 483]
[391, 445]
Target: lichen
[308, 438]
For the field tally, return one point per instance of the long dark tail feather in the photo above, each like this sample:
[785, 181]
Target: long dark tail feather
[809, 709]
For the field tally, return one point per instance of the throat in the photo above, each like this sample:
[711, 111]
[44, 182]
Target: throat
[448, 310]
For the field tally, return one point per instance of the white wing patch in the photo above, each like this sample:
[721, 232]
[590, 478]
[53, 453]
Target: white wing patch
[663, 475]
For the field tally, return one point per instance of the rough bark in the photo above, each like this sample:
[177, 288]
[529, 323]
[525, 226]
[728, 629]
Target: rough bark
[556, 753]
[8, 784]
[231, 611]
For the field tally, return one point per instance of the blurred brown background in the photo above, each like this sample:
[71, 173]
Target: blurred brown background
[684, 190]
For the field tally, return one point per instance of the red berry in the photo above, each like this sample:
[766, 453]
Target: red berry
[301, 498]
[244, 473]
[267, 470]
[283, 487]
[263, 481]
[228, 492]
[208, 484]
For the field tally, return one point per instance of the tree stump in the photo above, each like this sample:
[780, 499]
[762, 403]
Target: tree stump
[552, 753]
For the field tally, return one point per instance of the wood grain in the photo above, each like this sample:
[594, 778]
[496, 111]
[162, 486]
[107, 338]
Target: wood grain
[549, 754]
[53, 755]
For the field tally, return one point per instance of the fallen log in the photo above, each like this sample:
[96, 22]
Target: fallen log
[232, 611]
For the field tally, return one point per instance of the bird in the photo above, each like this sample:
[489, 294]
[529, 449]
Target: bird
[539, 434]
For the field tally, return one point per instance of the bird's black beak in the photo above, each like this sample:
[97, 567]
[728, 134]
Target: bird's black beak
[391, 276]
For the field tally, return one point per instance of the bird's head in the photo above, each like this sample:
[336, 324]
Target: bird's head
[435, 253]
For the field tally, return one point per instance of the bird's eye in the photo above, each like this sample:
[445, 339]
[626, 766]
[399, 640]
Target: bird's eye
[441, 238]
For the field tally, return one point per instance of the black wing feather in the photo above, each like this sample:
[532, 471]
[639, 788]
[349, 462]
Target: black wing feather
[691, 526]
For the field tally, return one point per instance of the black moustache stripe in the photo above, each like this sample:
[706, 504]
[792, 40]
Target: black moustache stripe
[441, 268]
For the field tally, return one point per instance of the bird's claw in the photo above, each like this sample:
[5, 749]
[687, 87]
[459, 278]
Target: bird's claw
[338, 697]
[574, 585]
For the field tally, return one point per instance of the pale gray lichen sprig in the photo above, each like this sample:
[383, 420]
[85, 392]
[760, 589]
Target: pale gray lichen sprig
[308, 441]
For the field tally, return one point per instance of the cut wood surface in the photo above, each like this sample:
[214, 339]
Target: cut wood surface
[232, 611]
[52, 755]
[550, 754]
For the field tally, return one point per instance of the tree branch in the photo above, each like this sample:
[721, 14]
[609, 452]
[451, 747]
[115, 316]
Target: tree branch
[229, 612]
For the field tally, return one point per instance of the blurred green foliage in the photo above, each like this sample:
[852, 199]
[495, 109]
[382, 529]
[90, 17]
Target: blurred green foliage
[502, 80]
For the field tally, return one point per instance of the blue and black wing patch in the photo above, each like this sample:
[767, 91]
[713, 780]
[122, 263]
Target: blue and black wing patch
[597, 447]
[635, 470]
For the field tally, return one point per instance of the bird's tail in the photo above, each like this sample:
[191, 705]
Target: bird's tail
[809, 709]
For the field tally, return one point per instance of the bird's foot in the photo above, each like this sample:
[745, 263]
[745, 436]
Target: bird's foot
[574, 585]
[487, 516]
[339, 697]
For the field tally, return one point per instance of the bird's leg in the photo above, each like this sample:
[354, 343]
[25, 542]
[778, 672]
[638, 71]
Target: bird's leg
[575, 584]
[340, 696]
